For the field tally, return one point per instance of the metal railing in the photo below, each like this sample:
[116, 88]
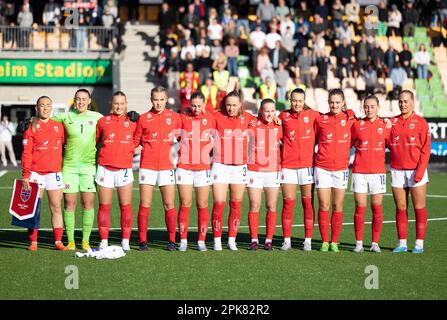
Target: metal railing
[58, 39]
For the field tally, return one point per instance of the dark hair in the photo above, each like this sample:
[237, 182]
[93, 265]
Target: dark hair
[409, 92]
[234, 93]
[372, 97]
[34, 120]
[83, 90]
[298, 90]
[265, 101]
[336, 92]
[159, 89]
[42, 97]
[120, 93]
[197, 95]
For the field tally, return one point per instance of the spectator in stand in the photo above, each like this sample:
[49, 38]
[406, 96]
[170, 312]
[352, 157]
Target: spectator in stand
[51, 14]
[263, 60]
[344, 31]
[232, 52]
[377, 57]
[133, 11]
[344, 55]
[304, 64]
[257, 39]
[383, 17]
[266, 12]
[422, 60]
[221, 78]
[199, 9]
[322, 62]
[287, 25]
[391, 56]
[189, 74]
[210, 92]
[282, 78]
[272, 37]
[394, 21]
[95, 14]
[113, 8]
[216, 50]
[282, 10]
[278, 55]
[215, 31]
[191, 19]
[224, 7]
[318, 27]
[166, 18]
[188, 48]
[220, 60]
[362, 54]
[202, 47]
[337, 15]
[352, 11]
[398, 77]
[173, 70]
[296, 83]
[268, 89]
[289, 43]
[300, 38]
[305, 27]
[370, 78]
[204, 65]
[25, 21]
[405, 57]
[185, 94]
[108, 21]
[322, 10]
[227, 19]
[410, 18]
[242, 26]
[303, 11]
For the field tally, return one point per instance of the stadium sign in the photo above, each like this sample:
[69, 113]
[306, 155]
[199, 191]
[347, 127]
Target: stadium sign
[55, 71]
[438, 130]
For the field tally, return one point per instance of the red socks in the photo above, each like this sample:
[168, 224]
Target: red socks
[234, 219]
[217, 218]
[377, 220]
[126, 221]
[336, 225]
[287, 217]
[183, 221]
[57, 233]
[402, 224]
[143, 222]
[308, 210]
[270, 221]
[421, 223]
[253, 223]
[204, 218]
[32, 234]
[104, 221]
[359, 222]
[323, 225]
[171, 221]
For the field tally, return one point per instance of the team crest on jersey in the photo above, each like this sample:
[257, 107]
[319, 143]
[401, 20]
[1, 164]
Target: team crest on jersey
[345, 135]
[364, 143]
[396, 139]
[412, 139]
[329, 136]
[56, 129]
[154, 135]
[90, 122]
[126, 124]
[412, 125]
[111, 136]
[306, 119]
[362, 123]
[343, 123]
[380, 130]
[128, 137]
[168, 121]
[204, 121]
[308, 131]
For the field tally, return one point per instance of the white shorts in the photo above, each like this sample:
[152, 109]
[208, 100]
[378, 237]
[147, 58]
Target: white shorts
[375, 182]
[405, 178]
[301, 176]
[113, 178]
[261, 180]
[331, 179]
[50, 181]
[228, 174]
[197, 178]
[153, 177]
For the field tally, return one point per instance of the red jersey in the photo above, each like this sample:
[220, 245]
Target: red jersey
[115, 134]
[299, 138]
[156, 132]
[333, 136]
[409, 144]
[370, 140]
[264, 151]
[230, 145]
[195, 141]
[42, 149]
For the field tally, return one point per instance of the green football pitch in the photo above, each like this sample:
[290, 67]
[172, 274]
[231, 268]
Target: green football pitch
[295, 274]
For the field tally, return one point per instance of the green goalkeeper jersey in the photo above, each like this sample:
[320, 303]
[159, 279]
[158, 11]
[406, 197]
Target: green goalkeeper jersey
[80, 137]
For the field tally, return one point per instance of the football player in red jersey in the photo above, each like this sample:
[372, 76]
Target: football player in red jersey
[263, 172]
[297, 165]
[333, 136]
[41, 163]
[115, 133]
[156, 132]
[369, 137]
[409, 144]
[193, 168]
[229, 169]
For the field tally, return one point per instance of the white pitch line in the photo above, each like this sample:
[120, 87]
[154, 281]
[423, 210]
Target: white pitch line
[2, 173]
[240, 227]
